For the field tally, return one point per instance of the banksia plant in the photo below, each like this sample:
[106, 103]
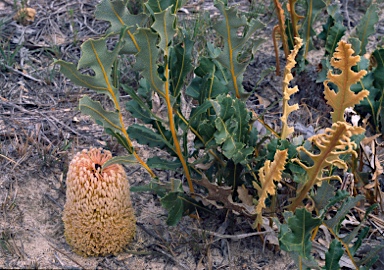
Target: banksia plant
[98, 215]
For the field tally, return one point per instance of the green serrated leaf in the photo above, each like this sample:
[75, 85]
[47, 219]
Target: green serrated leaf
[299, 238]
[314, 7]
[117, 14]
[146, 136]
[232, 128]
[97, 57]
[102, 117]
[378, 55]
[356, 44]
[161, 5]
[366, 28]
[335, 222]
[137, 107]
[180, 65]
[210, 81]
[333, 255]
[121, 139]
[233, 44]
[140, 111]
[146, 58]
[164, 25]
[323, 195]
[161, 164]
[159, 188]
[175, 207]
[120, 160]
[371, 257]
[336, 32]
[333, 29]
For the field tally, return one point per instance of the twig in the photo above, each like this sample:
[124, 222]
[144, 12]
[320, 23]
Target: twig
[7, 158]
[232, 237]
[376, 219]
[170, 257]
[53, 200]
[52, 118]
[346, 14]
[23, 74]
[66, 255]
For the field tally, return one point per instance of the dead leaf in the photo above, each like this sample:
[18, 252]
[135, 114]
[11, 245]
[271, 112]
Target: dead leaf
[244, 196]
[25, 16]
[223, 195]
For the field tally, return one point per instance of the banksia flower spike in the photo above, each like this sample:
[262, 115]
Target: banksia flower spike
[98, 215]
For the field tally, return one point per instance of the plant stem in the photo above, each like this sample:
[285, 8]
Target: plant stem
[173, 129]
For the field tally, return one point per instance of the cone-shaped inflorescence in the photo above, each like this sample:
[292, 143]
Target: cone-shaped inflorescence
[98, 215]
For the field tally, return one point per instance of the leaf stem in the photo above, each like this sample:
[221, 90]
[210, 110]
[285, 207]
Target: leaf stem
[173, 128]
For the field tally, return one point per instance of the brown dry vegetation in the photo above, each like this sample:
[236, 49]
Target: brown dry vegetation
[41, 129]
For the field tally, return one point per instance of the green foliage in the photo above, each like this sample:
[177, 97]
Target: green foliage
[333, 255]
[314, 7]
[366, 27]
[228, 57]
[373, 105]
[294, 236]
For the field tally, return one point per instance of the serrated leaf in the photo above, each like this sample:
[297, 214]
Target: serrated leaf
[164, 25]
[336, 32]
[117, 14]
[335, 222]
[120, 138]
[161, 164]
[324, 193]
[210, 81]
[271, 171]
[356, 44]
[314, 7]
[232, 119]
[288, 91]
[102, 117]
[298, 237]
[333, 29]
[366, 28]
[343, 60]
[378, 55]
[333, 143]
[233, 44]
[180, 65]
[146, 58]
[146, 136]
[369, 259]
[138, 108]
[140, 111]
[159, 188]
[333, 255]
[161, 5]
[175, 207]
[97, 57]
[120, 160]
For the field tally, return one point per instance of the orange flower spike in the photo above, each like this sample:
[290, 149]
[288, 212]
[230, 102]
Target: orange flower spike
[98, 215]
